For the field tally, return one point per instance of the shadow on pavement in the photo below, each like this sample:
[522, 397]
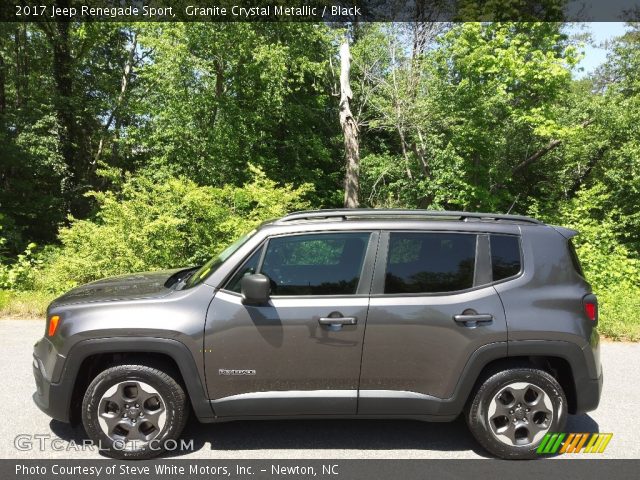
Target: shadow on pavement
[333, 434]
[329, 435]
[581, 424]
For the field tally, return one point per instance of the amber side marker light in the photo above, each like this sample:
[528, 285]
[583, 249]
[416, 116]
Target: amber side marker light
[53, 324]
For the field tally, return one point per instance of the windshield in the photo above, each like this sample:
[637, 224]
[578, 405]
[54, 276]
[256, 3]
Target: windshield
[213, 264]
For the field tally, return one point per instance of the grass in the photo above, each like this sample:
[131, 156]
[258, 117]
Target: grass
[619, 317]
[24, 304]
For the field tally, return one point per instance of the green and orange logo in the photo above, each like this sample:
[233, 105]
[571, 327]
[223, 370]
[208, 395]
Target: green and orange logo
[553, 443]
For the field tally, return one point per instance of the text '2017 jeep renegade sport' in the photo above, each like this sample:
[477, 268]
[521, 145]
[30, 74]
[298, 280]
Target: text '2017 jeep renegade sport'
[335, 314]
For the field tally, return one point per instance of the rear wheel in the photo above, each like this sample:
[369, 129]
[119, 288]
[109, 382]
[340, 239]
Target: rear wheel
[512, 411]
[131, 411]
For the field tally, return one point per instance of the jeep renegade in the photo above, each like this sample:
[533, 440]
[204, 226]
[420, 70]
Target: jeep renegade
[335, 314]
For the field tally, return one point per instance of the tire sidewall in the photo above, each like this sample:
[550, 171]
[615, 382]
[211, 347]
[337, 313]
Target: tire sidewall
[106, 380]
[478, 413]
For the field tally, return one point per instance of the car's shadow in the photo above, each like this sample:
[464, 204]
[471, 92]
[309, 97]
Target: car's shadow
[328, 435]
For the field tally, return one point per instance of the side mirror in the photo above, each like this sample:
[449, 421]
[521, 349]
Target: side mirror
[255, 289]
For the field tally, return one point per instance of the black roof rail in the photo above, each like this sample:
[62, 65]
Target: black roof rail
[344, 214]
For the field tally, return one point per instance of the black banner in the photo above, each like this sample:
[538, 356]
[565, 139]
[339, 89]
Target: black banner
[584, 469]
[319, 11]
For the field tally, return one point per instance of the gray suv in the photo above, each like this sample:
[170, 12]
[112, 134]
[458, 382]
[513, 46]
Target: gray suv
[404, 314]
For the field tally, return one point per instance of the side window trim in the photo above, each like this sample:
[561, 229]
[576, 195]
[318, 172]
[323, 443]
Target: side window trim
[520, 252]
[377, 285]
[483, 274]
[240, 266]
[366, 273]
[377, 289]
[368, 265]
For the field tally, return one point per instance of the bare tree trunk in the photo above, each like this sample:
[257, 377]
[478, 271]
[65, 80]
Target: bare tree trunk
[544, 150]
[219, 90]
[20, 73]
[69, 136]
[399, 120]
[405, 154]
[349, 130]
[3, 80]
[124, 83]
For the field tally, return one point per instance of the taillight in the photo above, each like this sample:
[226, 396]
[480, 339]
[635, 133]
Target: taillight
[590, 303]
[590, 310]
[53, 325]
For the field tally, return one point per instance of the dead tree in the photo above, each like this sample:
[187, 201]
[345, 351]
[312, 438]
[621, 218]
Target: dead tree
[349, 130]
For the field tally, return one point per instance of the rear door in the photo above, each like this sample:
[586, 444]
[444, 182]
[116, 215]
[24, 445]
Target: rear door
[300, 353]
[432, 307]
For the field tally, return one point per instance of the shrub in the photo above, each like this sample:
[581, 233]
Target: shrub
[28, 304]
[157, 222]
[612, 269]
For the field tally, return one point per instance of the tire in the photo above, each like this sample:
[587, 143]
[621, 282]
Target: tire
[123, 430]
[506, 396]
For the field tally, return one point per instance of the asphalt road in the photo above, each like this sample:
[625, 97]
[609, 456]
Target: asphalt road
[618, 413]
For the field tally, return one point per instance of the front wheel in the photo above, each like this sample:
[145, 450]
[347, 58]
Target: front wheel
[132, 411]
[513, 409]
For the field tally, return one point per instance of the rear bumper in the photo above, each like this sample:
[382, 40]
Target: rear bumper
[588, 392]
[589, 383]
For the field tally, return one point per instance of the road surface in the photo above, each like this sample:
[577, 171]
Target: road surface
[618, 413]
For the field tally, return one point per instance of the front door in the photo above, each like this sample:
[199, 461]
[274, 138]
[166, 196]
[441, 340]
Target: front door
[301, 352]
[432, 306]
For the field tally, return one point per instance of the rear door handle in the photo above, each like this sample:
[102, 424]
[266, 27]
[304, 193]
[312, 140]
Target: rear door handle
[337, 320]
[472, 320]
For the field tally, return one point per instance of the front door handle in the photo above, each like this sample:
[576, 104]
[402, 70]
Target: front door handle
[337, 320]
[473, 320]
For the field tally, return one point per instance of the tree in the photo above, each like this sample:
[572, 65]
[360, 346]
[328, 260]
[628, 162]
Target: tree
[465, 113]
[349, 131]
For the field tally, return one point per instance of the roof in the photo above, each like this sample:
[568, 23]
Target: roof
[400, 214]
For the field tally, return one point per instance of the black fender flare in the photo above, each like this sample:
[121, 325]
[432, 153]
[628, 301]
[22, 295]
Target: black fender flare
[582, 366]
[174, 349]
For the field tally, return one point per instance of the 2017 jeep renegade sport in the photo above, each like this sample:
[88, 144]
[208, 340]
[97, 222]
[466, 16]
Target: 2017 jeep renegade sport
[335, 314]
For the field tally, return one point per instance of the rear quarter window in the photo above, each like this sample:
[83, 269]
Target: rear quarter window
[505, 256]
[574, 258]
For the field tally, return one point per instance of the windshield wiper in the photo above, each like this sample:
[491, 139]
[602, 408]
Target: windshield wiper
[178, 278]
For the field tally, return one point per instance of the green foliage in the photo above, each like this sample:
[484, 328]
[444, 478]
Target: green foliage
[466, 113]
[19, 274]
[248, 93]
[24, 304]
[162, 222]
[161, 122]
[611, 268]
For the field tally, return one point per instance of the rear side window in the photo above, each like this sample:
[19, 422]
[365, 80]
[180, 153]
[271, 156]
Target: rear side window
[430, 262]
[574, 258]
[315, 264]
[505, 256]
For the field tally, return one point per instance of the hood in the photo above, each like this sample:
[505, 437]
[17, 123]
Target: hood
[124, 287]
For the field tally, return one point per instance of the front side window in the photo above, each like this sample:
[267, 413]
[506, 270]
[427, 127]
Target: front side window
[249, 267]
[430, 262]
[315, 264]
[505, 256]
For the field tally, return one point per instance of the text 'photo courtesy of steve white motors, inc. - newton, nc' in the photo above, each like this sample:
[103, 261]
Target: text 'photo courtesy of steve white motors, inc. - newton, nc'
[167, 469]
[194, 11]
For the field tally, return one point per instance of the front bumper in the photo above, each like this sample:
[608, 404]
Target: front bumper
[53, 398]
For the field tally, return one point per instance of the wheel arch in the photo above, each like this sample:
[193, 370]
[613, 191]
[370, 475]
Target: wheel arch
[558, 367]
[89, 357]
[565, 361]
